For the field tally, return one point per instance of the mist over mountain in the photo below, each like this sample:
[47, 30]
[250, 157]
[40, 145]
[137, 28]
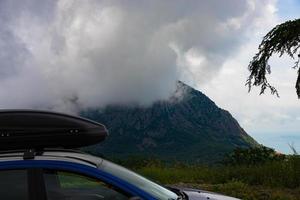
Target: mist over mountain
[132, 51]
[187, 127]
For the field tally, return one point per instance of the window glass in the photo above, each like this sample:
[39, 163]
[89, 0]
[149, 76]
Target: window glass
[13, 185]
[61, 185]
[144, 184]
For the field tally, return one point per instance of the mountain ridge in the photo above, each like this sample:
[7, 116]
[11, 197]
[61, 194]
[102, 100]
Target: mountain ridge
[187, 127]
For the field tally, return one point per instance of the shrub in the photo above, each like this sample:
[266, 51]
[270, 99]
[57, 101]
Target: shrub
[252, 156]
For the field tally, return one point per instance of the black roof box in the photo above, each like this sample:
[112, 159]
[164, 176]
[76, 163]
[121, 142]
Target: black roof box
[31, 129]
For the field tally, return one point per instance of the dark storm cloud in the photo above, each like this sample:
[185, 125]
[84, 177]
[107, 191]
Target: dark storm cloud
[83, 54]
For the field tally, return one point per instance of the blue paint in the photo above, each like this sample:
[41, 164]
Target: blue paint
[77, 168]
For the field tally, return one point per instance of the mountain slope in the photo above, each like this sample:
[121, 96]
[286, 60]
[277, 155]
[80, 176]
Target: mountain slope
[188, 127]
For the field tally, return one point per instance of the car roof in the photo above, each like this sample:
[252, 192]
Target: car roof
[68, 155]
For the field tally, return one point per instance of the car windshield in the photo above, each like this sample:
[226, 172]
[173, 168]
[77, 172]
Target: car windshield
[146, 185]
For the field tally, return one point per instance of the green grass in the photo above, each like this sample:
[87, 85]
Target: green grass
[276, 180]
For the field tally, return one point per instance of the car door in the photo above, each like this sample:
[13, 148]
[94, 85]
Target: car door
[14, 184]
[67, 185]
[54, 184]
[47, 179]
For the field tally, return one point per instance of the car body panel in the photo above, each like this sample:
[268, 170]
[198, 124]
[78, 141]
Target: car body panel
[77, 168]
[204, 195]
[195, 194]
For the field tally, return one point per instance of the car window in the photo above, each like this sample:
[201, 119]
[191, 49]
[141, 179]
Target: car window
[62, 185]
[13, 185]
[144, 184]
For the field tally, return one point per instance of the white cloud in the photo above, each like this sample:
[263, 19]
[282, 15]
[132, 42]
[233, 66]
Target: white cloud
[258, 113]
[82, 54]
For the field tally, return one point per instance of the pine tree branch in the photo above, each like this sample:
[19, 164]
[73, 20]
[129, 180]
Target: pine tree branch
[282, 39]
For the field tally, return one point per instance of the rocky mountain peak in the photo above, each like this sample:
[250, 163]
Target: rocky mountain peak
[188, 127]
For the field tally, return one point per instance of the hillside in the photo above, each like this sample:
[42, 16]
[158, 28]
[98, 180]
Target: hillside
[187, 127]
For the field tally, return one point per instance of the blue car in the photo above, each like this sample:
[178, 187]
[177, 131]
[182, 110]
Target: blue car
[37, 162]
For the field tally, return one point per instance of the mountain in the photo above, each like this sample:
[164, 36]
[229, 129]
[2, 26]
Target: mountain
[188, 127]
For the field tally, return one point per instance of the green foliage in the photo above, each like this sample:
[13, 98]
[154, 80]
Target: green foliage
[137, 162]
[275, 178]
[283, 173]
[252, 156]
[283, 39]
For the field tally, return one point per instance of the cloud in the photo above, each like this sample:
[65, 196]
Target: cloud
[260, 115]
[69, 55]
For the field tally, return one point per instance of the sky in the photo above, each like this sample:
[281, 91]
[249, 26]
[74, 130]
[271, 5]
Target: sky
[70, 55]
[272, 121]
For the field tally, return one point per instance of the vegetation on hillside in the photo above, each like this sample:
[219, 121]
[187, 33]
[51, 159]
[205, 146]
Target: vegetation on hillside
[250, 174]
[252, 156]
